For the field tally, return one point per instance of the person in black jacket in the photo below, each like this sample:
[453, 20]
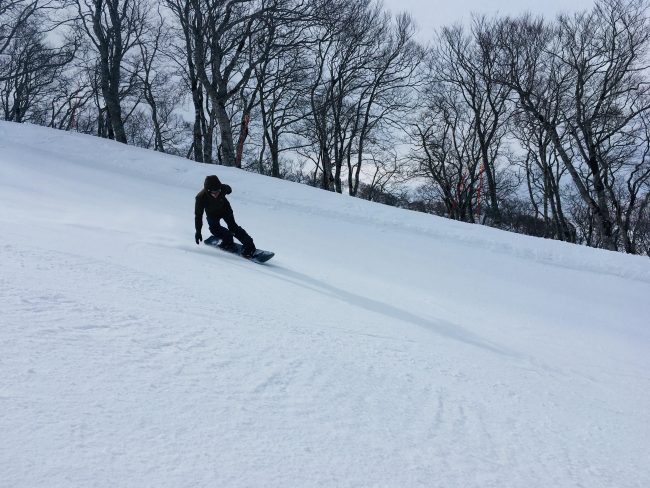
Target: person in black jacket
[212, 200]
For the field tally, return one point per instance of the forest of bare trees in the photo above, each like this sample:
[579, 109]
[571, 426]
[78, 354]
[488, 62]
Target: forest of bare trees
[534, 125]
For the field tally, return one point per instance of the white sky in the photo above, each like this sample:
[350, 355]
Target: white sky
[432, 14]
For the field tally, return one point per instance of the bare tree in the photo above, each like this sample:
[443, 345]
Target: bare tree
[628, 183]
[388, 176]
[283, 103]
[224, 36]
[114, 28]
[152, 76]
[184, 55]
[365, 64]
[29, 63]
[70, 96]
[589, 69]
[544, 173]
[448, 152]
[14, 16]
[466, 62]
[342, 45]
[388, 96]
[160, 85]
[29, 70]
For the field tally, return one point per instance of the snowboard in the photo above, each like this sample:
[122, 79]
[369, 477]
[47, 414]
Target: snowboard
[260, 256]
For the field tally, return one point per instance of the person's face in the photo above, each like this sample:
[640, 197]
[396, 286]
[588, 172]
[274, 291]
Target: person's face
[214, 193]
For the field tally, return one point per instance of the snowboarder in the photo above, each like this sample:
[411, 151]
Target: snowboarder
[212, 200]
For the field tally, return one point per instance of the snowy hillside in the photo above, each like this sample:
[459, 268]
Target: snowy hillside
[379, 348]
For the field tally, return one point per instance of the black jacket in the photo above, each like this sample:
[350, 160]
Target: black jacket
[215, 208]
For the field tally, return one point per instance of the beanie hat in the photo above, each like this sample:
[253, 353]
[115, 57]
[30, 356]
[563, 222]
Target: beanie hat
[212, 183]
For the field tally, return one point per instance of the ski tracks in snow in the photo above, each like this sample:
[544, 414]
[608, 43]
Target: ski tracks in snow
[137, 375]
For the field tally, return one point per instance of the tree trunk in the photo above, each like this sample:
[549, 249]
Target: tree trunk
[112, 99]
[199, 121]
[225, 129]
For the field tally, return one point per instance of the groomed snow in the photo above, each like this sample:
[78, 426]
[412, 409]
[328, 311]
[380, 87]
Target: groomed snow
[379, 348]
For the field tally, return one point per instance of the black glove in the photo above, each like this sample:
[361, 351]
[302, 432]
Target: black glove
[198, 237]
[226, 190]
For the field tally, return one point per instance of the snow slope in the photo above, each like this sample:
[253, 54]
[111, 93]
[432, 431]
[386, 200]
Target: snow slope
[379, 348]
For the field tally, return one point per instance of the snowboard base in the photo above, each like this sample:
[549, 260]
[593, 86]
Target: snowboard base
[259, 256]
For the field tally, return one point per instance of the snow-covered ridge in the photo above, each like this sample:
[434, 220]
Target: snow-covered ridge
[380, 347]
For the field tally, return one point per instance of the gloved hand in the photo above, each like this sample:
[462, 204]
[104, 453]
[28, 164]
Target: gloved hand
[198, 237]
[226, 190]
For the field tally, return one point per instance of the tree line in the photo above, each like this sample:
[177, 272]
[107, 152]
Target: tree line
[534, 125]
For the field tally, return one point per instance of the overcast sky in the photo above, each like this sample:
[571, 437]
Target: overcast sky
[431, 14]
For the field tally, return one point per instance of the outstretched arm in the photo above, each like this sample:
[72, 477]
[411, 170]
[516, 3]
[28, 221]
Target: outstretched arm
[199, 208]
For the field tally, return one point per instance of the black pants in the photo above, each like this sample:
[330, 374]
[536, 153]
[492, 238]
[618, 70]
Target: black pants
[226, 235]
